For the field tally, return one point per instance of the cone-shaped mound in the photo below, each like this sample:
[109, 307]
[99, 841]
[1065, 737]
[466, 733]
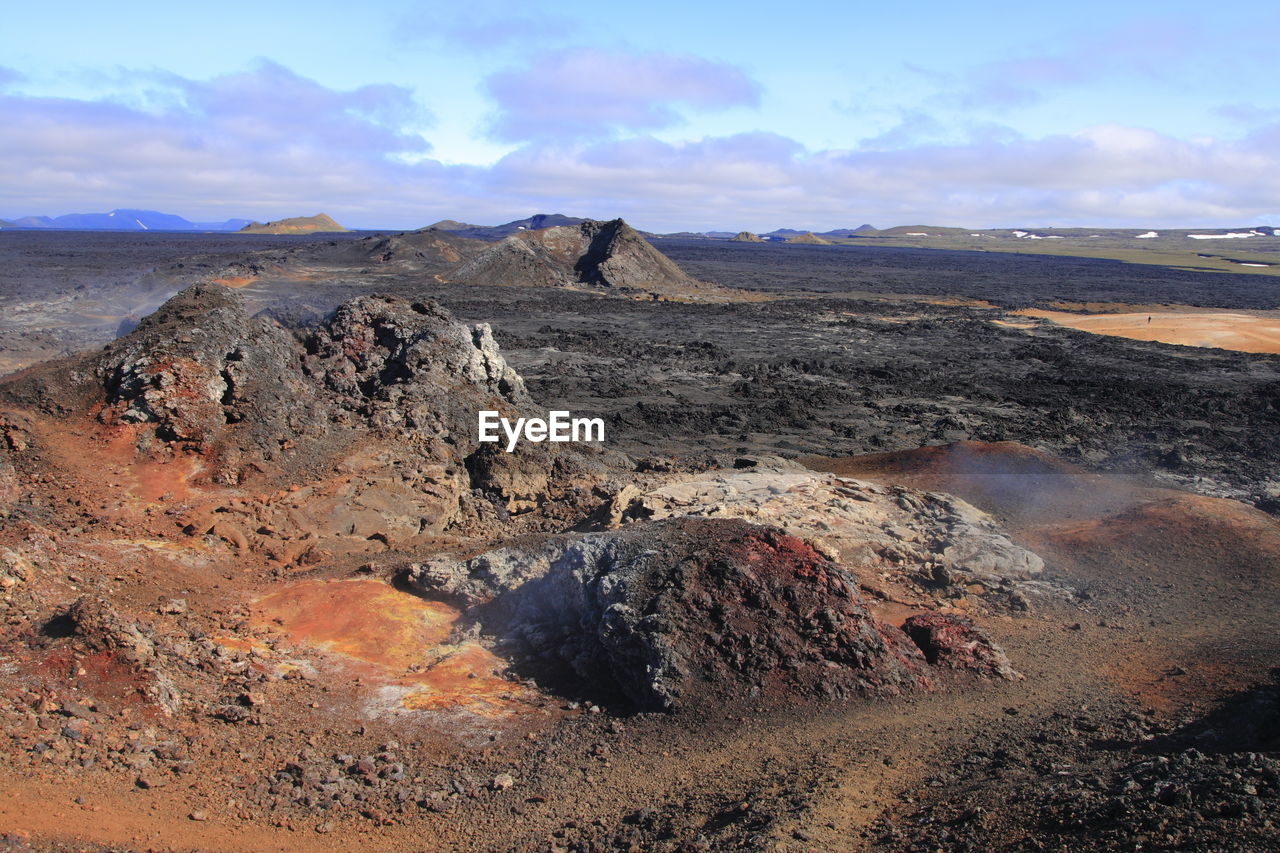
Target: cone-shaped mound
[600, 254]
[810, 238]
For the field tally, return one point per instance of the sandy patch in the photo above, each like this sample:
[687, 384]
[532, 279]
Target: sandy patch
[1220, 329]
[233, 281]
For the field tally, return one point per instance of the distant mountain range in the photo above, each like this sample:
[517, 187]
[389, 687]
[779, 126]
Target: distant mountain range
[122, 220]
[151, 220]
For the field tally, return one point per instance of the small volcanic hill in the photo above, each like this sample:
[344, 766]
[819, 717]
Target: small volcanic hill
[321, 223]
[906, 230]
[450, 225]
[609, 255]
[490, 233]
[746, 237]
[682, 612]
[679, 613]
[385, 392]
[427, 249]
[810, 238]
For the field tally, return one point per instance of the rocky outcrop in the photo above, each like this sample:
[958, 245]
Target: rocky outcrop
[202, 372]
[15, 570]
[593, 254]
[99, 627]
[409, 366]
[370, 419]
[869, 526]
[682, 613]
[199, 366]
[483, 579]
[746, 237]
[740, 584]
[676, 614]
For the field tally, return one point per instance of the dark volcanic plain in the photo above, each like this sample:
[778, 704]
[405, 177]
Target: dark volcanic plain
[898, 568]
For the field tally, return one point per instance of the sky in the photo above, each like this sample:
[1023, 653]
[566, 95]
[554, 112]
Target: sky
[673, 115]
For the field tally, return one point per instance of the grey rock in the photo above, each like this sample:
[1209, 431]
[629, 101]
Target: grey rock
[602, 254]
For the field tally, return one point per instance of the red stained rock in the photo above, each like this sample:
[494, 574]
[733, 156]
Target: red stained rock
[954, 642]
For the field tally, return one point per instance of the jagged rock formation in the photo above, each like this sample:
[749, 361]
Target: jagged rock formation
[320, 223]
[595, 254]
[97, 625]
[864, 524]
[371, 417]
[198, 367]
[810, 238]
[201, 371]
[680, 613]
[746, 237]
[676, 613]
[407, 364]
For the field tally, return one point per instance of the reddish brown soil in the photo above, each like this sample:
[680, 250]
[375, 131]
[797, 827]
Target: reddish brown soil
[1194, 576]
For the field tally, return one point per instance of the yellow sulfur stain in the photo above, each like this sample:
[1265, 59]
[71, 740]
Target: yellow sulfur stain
[391, 639]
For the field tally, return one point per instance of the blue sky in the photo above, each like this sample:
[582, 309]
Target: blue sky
[674, 115]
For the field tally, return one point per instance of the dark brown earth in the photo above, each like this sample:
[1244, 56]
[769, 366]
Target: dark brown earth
[263, 590]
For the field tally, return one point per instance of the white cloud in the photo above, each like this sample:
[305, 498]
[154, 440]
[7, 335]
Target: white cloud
[267, 143]
[584, 92]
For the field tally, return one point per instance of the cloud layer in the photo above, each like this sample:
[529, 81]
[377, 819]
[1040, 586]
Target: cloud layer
[586, 92]
[268, 143]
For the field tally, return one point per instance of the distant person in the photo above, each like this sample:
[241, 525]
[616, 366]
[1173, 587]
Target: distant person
[1148, 320]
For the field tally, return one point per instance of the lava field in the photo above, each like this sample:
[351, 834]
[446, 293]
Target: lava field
[868, 559]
